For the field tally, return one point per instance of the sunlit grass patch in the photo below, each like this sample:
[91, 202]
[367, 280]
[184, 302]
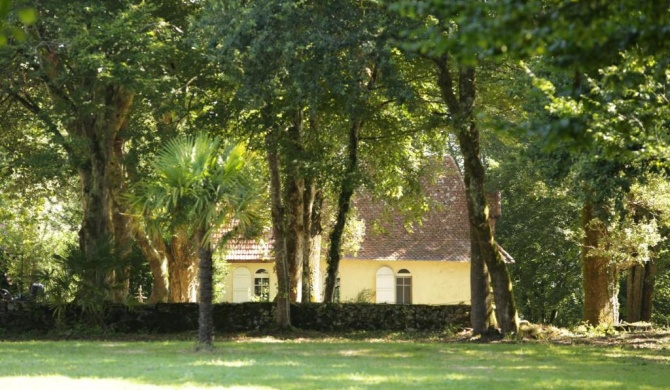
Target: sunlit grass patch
[268, 363]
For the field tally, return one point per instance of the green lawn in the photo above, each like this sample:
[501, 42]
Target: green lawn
[268, 363]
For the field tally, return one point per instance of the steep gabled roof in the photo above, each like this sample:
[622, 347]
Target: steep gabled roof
[442, 235]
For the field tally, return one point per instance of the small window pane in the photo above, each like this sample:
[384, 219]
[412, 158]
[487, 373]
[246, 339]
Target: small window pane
[262, 286]
[404, 290]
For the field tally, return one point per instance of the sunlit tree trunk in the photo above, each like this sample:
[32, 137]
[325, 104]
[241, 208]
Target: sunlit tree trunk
[600, 300]
[312, 247]
[182, 262]
[482, 315]
[157, 260]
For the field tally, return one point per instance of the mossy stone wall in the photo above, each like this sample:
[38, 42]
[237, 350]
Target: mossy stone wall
[230, 317]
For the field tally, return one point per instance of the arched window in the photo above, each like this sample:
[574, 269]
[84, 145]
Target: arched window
[403, 287]
[384, 288]
[241, 285]
[262, 285]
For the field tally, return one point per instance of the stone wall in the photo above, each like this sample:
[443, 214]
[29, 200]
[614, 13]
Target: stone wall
[231, 317]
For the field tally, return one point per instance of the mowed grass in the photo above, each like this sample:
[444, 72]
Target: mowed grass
[268, 363]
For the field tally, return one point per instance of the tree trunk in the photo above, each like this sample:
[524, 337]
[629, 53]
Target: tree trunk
[634, 287]
[482, 235]
[312, 231]
[122, 224]
[181, 263]
[482, 315]
[294, 197]
[599, 276]
[349, 184]
[461, 108]
[295, 240]
[283, 305]
[648, 290]
[205, 276]
[95, 162]
[157, 264]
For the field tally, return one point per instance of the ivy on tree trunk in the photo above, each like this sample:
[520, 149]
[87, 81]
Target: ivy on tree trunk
[460, 103]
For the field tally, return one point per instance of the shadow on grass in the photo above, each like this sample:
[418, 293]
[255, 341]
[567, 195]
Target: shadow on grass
[293, 364]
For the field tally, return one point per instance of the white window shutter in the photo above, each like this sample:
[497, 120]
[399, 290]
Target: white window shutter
[241, 285]
[385, 292]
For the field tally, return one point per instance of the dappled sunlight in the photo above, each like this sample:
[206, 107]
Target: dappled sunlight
[284, 363]
[646, 358]
[267, 364]
[523, 352]
[268, 339]
[225, 363]
[114, 345]
[375, 354]
[355, 352]
[61, 382]
[65, 383]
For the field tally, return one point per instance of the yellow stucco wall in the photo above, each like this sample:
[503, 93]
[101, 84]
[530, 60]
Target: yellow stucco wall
[252, 267]
[433, 282]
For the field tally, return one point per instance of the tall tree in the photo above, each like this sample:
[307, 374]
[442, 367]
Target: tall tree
[78, 73]
[206, 191]
[455, 60]
[307, 82]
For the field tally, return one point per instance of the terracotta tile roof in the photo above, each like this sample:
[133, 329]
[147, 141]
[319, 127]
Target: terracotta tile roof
[244, 250]
[443, 235]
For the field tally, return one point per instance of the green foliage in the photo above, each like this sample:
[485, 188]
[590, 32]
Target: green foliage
[83, 280]
[366, 295]
[8, 29]
[539, 227]
[200, 184]
[30, 234]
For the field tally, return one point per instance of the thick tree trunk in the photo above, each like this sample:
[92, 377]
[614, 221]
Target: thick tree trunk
[648, 290]
[311, 247]
[95, 159]
[640, 291]
[157, 264]
[122, 224]
[600, 300]
[482, 235]
[634, 287]
[182, 260]
[349, 184]
[206, 293]
[461, 108]
[283, 306]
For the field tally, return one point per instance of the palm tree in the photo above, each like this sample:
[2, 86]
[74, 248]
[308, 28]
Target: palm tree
[205, 188]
